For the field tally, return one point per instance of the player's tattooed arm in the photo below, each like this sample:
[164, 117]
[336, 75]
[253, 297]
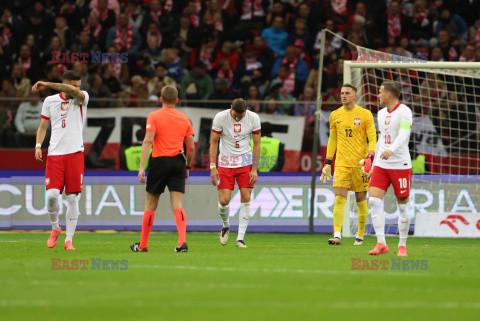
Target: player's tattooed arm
[72, 91]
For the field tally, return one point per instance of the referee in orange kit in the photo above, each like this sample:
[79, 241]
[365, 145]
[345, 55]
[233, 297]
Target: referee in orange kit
[167, 130]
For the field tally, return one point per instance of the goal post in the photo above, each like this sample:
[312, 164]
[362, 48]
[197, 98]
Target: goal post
[444, 142]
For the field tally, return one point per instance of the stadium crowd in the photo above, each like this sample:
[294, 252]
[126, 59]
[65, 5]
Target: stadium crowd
[213, 50]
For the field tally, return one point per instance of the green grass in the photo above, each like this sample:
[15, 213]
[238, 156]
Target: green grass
[278, 277]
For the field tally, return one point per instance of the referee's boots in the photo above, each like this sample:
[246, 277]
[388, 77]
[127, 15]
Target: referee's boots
[182, 248]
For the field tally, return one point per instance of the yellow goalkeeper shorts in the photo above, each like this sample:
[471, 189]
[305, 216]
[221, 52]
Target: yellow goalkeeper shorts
[351, 178]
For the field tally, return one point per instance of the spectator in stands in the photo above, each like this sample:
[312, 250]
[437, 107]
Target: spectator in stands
[151, 55]
[421, 25]
[157, 90]
[252, 66]
[97, 33]
[216, 20]
[306, 107]
[10, 19]
[203, 82]
[301, 33]
[449, 51]
[298, 66]
[229, 53]
[136, 94]
[30, 63]
[6, 113]
[52, 74]
[222, 92]
[186, 37]
[290, 84]
[125, 36]
[394, 24]
[84, 44]
[474, 34]
[436, 54]
[206, 54]
[119, 69]
[27, 120]
[313, 20]
[477, 53]
[468, 54]
[264, 53]
[272, 108]
[66, 35]
[339, 11]
[135, 14]
[226, 72]
[454, 25]
[36, 25]
[462, 124]
[278, 10]
[5, 56]
[332, 43]
[82, 70]
[160, 15]
[172, 63]
[253, 99]
[252, 17]
[275, 37]
[54, 51]
[357, 26]
[97, 90]
[21, 82]
[154, 30]
[276, 92]
[301, 54]
[103, 9]
[109, 79]
[160, 75]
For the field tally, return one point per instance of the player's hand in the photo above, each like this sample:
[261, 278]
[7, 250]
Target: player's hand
[386, 154]
[214, 176]
[326, 173]
[366, 164]
[39, 85]
[141, 175]
[253, 176]
[38, 154]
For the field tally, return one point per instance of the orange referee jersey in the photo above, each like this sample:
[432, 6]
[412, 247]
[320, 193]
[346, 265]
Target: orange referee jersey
[171, 127]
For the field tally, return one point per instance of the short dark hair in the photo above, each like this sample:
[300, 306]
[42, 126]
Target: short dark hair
[71, 75]
[392, 87]
[350, 86]
[169, 94]
[239, 105]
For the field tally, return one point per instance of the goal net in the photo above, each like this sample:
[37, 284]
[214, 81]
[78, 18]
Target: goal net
[444, 141]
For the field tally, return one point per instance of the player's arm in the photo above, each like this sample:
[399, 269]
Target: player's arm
[331, 148]
[257, 138]
[69, 89]
[214, 139]
[190, 151]
[41, 132]
[146, 147]
[372, 144]
[403, 134]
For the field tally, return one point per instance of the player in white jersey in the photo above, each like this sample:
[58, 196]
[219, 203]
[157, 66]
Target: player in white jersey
[394, 166]
[235, 128]
[67, 112]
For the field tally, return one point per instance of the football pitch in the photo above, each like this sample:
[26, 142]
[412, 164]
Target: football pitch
[278, 277]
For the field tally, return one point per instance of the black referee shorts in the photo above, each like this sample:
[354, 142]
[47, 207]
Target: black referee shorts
[166, 171]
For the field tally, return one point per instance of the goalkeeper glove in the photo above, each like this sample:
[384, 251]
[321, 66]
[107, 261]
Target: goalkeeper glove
[326, 171]
[366, 164]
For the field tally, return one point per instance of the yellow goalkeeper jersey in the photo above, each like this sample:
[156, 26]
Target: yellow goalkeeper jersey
[349, 130]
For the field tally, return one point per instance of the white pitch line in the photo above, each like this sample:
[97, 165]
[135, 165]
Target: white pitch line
[267, 270]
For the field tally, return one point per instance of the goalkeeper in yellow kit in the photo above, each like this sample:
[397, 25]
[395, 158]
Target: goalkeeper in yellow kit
[350, 126]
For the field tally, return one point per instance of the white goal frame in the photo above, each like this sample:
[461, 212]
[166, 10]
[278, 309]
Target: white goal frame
[350, 67]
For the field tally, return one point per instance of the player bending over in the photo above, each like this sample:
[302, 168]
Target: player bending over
[394, 166]
[67, 112]
[236, 127]
[350, 126]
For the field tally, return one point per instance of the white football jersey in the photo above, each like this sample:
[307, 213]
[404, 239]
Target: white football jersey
[67, 118]
[235, 138]
[388, 128]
